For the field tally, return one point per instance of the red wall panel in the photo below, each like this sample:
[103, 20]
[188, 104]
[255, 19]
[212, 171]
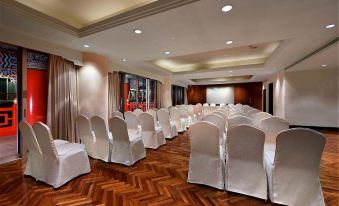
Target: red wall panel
[37, 88]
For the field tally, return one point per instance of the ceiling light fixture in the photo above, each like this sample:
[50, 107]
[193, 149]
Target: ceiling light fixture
[229, 42]
[123, 60]
[167, 52]
[86, 45]
[226, 8]
[231, 71]
[324, 65]
[330, 26]
[137, 31]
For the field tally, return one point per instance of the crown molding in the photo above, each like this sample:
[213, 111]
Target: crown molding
[120, 19]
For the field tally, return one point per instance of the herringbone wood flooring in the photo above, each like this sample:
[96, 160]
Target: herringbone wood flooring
[160, 179]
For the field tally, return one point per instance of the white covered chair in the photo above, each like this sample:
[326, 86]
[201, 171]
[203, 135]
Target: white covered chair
[103, 140]
[169, 129]
[252, 111]
[293, 170]
[138, 112]
[117, 114]
[133, 124]
[239, 120]
[62, 163]
[154, 115]
[126, 149]
[87, 136]
[207, 161]
[206, 105]
[272, 126]
[184, 116]
[245, 171]
[178, 121]
[257, 117]
[151, 137]
[212, 104]
[233, 114]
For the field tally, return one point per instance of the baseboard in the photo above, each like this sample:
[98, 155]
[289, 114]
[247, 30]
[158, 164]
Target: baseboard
[318, 128]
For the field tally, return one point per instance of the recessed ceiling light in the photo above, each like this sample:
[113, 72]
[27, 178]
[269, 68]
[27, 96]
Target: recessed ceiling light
[226, 8]
[137, 31]
[229, 42]
[330, 26]
[123, 60]
[231, 75]
[86, 45]
[324, 65]
[167, 52]
[231, 71]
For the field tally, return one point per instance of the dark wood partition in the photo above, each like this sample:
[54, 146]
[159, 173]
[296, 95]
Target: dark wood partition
[244, 93]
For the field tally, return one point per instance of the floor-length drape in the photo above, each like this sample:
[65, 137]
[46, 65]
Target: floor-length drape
[62, 98]
[185, 96]
[159, 95]
[114, 84]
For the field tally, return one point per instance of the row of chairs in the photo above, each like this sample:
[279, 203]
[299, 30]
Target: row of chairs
[288, 170]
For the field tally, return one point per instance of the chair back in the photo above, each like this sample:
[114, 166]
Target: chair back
[205, 104]
[138, 112]
[222, 114]
[131, 120]
[299, 149]
[163, 117]
[204, 138]
[45, 140]
[146, 122]
[28, 135]
[118, 128]
[252, 111]
[257, 117]
[174, 114]
[239, 120]
[215, 119]
[99, 128]
[117, 114]
[83, 129]
[272, 126]
[212, 104]
[154, 115]
[245, 143]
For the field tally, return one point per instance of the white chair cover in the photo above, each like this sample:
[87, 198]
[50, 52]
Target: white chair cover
[252, 111]
[272, 126]
[58, 163]
[257, 117]
[169, 129]
[293, 172]
[184, 116]
[233, 114]
[206, 104]
[126, 149]
[212, 104]
[245, 171]
[152, 138]
[207, 162]
[34, 159]
[132, 123]
[138, 112]
[87, 136]
[103, 141]
[191, 113]
[176, 119]
[239, 120]
[154, 115]
[117, 114]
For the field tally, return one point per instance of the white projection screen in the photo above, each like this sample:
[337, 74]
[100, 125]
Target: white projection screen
[220, 95]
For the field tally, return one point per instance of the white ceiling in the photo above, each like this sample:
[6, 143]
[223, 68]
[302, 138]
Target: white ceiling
[202, 27]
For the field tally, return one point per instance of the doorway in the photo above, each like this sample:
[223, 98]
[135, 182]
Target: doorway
[264, 100]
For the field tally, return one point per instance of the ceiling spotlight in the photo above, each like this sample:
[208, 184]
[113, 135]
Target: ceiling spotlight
[231, 71]
[137, 31]
[86, 45]
[123, 60]
[324, 65]
[167, 52]
[226, 8]
[229, 42]
[330, 26]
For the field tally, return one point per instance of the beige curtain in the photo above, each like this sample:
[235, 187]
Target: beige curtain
[114, 84]
[62, 107]
[159, 95]
[185, 96]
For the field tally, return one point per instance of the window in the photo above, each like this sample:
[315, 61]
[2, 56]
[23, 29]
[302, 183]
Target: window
[139, 92]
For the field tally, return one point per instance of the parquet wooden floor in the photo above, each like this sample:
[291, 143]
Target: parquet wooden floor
[160, 179]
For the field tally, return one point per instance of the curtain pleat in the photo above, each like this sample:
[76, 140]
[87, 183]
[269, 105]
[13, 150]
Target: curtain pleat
[159, 95]
[62, 98]
[114, 84]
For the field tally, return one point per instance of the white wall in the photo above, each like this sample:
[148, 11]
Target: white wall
[93, 86]
[220, 95]
[312, 97]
